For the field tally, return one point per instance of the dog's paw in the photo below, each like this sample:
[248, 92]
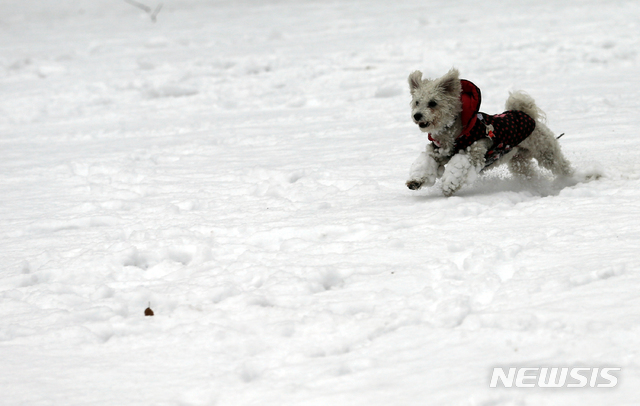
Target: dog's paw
[458, 171]
[450, 187]
[414, 184]
[423, 172]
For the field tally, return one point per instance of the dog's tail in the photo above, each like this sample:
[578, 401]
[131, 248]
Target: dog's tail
[521, 101]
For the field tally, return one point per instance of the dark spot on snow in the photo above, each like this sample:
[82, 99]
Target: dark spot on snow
[148, 311]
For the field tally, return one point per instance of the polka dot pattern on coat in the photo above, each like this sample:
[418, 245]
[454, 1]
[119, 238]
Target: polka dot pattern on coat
[507, 130]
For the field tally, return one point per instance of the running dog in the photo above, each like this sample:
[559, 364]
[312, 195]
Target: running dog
[465, 141]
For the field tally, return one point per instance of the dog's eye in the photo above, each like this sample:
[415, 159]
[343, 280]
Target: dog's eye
[417, 103]
[432, 104]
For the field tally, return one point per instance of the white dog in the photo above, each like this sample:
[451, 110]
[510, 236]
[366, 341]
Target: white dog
[465, 141]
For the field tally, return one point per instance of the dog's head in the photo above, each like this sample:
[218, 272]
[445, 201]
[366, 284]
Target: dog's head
[435, 104]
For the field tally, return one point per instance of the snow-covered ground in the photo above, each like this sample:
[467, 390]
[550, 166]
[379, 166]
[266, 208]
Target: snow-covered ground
[240, 166]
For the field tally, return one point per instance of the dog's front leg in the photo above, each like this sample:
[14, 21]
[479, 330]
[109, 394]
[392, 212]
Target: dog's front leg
[424, 170]
[464, 167]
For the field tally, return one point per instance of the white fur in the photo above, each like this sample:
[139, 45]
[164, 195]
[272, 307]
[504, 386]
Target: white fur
[436, 108]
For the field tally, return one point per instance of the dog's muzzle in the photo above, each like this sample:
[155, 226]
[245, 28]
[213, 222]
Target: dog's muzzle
[418, 120]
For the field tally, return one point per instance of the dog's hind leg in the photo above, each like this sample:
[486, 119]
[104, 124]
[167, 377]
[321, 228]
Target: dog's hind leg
[548, 153]
[543, 145]
[553, 159]
[521, 164]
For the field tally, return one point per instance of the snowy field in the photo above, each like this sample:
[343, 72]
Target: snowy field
[240, 166]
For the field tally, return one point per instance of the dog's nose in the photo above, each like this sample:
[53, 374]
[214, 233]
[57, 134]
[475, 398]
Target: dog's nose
[417, 116]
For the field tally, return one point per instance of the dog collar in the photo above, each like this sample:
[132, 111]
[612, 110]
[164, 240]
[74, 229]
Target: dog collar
[437, 143]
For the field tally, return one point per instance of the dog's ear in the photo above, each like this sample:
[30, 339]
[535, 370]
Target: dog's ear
[450, 82]
[415, 80]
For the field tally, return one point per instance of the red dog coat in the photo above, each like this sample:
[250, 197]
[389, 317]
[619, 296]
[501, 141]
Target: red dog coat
[506, 130]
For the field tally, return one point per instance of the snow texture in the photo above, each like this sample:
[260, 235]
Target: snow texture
[240, 167]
